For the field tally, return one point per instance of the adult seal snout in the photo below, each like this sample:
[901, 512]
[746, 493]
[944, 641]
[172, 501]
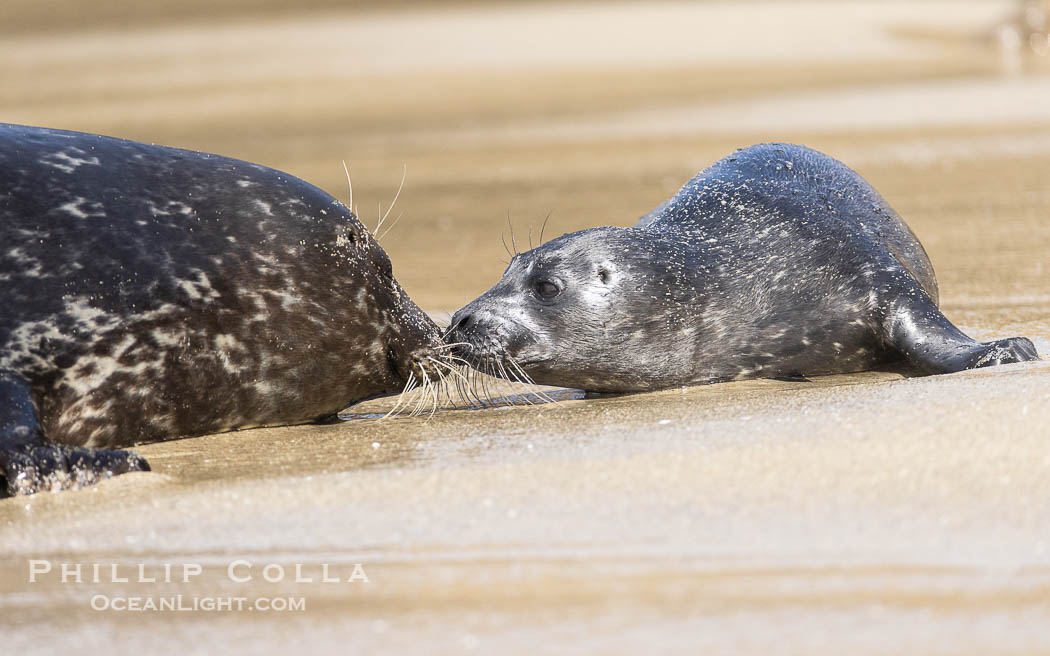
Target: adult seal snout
[777, 261]
[150, 293]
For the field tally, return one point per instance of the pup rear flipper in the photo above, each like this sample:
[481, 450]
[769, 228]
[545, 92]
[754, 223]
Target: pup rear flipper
[28, 464]
[933, 344]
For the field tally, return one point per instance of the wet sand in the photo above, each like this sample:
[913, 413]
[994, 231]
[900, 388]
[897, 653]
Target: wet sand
[871, 513]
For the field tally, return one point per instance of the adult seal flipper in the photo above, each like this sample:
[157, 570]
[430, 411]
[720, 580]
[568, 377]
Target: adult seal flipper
[775, 262]
[29, 464]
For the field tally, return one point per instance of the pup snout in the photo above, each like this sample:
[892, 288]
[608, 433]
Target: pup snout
[462, 320]
[468, 329]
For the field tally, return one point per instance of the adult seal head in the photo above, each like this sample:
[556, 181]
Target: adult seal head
[150, 293]
[777, 261]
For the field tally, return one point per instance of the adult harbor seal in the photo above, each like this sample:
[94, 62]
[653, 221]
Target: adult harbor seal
[777, 261]
[150, 293]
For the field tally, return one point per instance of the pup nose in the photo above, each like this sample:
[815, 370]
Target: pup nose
[462, 322]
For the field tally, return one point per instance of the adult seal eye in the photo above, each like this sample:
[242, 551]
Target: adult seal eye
[546, 290]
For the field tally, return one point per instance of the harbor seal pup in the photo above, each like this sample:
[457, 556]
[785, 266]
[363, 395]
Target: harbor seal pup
[150, 293]
[777, 261]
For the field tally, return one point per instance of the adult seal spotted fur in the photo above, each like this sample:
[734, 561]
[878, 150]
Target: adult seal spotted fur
[150, 293]
[777, 261]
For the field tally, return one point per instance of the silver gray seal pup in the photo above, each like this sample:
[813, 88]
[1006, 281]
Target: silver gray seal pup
[150, 293]
[777, 262]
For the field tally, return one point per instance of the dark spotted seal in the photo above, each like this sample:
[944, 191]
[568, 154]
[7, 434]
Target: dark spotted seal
[777, 261]
[149, 293]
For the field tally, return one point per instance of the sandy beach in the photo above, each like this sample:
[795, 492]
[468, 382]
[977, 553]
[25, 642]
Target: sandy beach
[862, 514]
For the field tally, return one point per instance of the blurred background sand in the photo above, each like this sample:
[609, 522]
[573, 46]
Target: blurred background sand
[854, 514]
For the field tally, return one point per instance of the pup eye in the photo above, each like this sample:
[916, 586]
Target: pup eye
[546, 289]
